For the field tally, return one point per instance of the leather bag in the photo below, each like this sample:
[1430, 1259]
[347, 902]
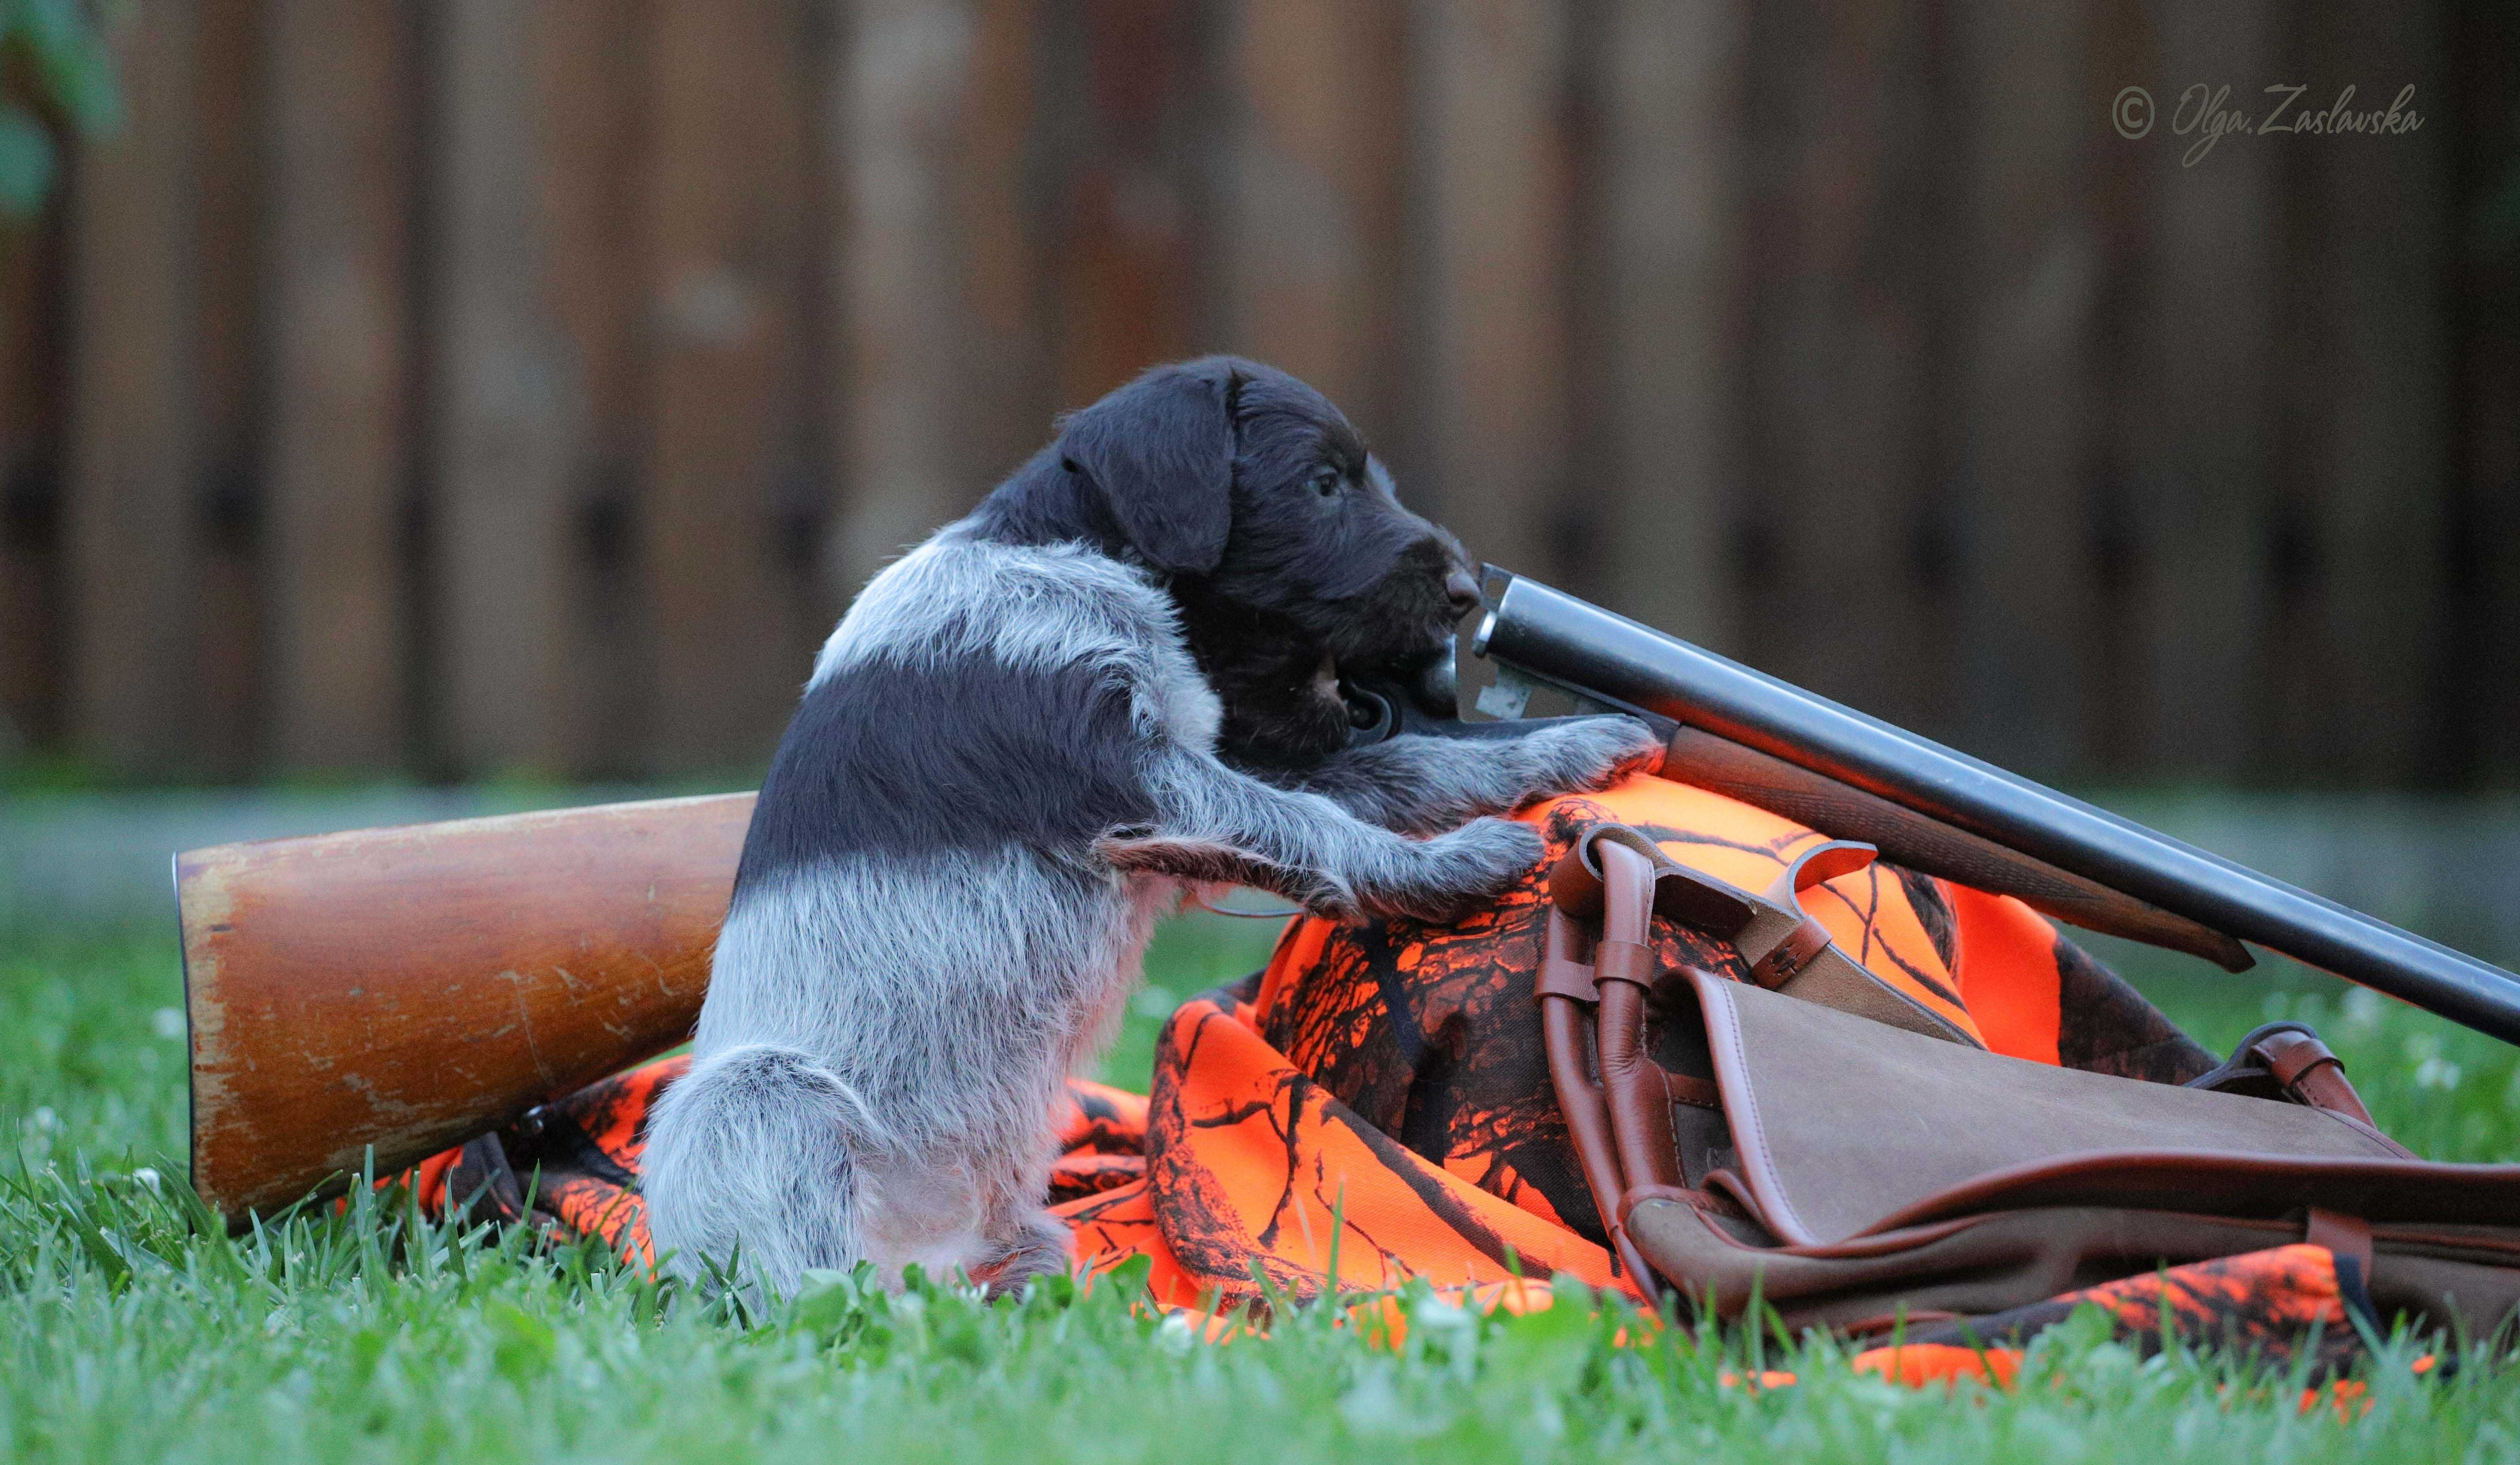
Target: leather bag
[1791, 1139]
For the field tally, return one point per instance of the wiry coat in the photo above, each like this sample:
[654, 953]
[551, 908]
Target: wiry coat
[1006, 766]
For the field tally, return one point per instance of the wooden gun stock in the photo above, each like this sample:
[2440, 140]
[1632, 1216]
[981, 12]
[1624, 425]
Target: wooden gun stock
[1927, 845]
[407, 989]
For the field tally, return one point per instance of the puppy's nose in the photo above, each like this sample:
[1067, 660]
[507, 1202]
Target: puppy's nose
[1462, 588]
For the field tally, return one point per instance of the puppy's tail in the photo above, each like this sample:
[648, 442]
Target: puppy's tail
[750, 1173]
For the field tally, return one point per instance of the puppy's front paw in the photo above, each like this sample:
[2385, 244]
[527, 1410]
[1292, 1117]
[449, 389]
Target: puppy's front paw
[1456, 874]
[1039, 1248]
[1595, 753]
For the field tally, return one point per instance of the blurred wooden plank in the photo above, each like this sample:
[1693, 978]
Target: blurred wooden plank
[1674, 312]
[132, 542]
[34, 344]
[2200, 433]
[589, 81]
[2477, 693]
[2120, 48]
[2028, 271]
[342, 383]
[227, 722]
[936, 268]
[723, 220]
[2478, 688]
[505, 417]
[1845, 545]
[1487, 437]
[2374, 412]
[1312, 161]
[1006, 380]
[1123, 268]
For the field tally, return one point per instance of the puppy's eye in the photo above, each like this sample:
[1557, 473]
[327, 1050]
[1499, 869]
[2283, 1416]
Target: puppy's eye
[1325, 481]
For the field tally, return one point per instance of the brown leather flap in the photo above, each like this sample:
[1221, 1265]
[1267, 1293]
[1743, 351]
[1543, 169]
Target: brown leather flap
[2237, 1183]
[1844, 1126]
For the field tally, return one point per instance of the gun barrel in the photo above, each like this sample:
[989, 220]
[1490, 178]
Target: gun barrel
[1557, 638]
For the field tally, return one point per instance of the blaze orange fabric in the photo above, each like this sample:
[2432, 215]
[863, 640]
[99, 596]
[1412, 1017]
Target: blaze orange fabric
[1916, 1365]
[1374, 1105]
[2273, 1301]
[1252, 1166]
[2012, 987]
[1299, 1119]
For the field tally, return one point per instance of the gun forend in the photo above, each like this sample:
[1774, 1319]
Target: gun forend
[1905, 837]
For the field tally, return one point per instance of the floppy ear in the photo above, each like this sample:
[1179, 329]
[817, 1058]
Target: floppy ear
[1161, 449]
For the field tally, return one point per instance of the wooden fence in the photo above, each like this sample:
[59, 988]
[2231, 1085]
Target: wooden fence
[488, 384]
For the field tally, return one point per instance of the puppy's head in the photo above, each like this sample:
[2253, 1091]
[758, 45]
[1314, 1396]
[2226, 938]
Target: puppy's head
[1292, 559]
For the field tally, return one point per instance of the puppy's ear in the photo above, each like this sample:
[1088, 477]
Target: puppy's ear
[1161, 449]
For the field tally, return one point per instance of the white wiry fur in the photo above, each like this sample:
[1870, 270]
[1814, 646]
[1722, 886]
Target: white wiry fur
[880, 1060]
[879, 1063]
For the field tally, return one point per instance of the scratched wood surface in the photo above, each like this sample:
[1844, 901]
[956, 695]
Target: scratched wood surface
[477, 388]
[406, 989]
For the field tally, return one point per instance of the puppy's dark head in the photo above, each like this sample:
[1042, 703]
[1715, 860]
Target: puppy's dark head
[1279, 534]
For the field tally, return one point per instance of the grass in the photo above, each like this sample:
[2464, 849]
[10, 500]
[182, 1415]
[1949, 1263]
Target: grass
[130, 1328]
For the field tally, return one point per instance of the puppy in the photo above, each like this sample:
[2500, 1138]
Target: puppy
[1115, 679]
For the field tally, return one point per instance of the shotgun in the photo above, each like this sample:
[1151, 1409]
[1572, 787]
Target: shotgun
[378, 996]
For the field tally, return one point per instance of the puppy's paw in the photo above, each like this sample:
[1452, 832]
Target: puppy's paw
[1038, 1248]
[1580, 756]
[1456, 874]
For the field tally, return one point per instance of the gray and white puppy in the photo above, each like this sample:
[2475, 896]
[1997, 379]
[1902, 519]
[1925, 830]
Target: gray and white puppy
[1115, 679]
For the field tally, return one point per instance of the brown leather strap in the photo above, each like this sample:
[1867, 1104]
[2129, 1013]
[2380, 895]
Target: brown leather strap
[1630, 961]
[2290, 1058]
[2312, 1072]
[1791, 955]
[2346, 1237]
[1560, 977]
[1631, 1082]
[1588, 1119]
[1683, 1088]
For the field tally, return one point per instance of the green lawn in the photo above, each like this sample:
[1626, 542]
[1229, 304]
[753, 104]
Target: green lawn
[131, 1331]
